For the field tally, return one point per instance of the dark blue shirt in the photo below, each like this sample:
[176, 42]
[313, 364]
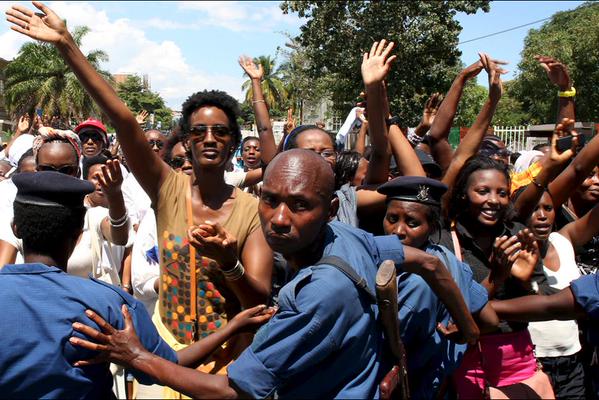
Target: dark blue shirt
[39, 305]
[430, 355]
[586, 293]
[324, 340]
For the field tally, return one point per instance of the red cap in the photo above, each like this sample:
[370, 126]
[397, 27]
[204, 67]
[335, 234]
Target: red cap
[91, 123]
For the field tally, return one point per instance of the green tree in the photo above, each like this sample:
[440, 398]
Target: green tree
[272, 86]
[510, 111]
[473, 98]
[571, 37]
[337, 33]
[137, 97]
[39, 78]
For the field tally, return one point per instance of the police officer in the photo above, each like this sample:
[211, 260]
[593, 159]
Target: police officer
[413, 214]
[324, 341]
[40, 302]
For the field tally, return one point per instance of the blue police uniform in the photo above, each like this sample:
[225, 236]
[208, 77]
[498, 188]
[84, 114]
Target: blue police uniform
[586, 294]
[324, 340]
[39, 305]
[433, 356]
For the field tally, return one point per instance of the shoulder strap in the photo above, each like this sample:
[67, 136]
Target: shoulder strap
[348, 271]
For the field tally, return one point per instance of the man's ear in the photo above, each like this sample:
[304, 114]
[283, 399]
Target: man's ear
[333, 208]
[14, 230]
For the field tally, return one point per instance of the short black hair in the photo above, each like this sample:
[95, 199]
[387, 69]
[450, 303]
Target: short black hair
[41, 227]
[89, 162]
[346, 166]
[291, 140]
[26, 155]
[214, 98]
[247, 139]
[175, 137]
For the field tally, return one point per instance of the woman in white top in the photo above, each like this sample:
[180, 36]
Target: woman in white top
[557, 343]
[107, 230]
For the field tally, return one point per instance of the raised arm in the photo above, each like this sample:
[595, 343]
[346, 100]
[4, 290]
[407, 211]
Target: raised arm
[375, 67]
[115, 228]
[146, 165]
[439, 131]
[360, 145]
[582, 230]
[428, 114]
[405, 156]
[267, 139]
[551, 165]
[558, 75]
[22, 127]
[471, 143]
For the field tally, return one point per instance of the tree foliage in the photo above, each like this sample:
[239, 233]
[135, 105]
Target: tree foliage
[337, 33]
[571, 37]
[137, 97]
[39, 78]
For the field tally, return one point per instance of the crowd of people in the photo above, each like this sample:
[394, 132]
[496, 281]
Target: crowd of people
[154, 257]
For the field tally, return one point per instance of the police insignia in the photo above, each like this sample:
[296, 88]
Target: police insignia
[423, 194]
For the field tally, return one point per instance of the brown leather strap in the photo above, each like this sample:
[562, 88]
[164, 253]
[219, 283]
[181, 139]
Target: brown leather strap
[192, 261]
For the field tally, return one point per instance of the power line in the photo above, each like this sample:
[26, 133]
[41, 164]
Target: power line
[505, 30]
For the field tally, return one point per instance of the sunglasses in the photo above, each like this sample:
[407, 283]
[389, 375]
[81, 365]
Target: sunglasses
[157, 143]
[219, 131]
[71, 170]
[178, 162]
[96, 137]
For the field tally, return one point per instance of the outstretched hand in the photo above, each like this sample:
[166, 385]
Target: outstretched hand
[525, 260]
[556, 72]
[24, 123]
[213, 241]
[117, 346]
[494, 70]
[561, 130]
[45, 26]
[251, 69]
[251, 319]
[430, 109]
[110, 178]
[141, 117]
[377, 63]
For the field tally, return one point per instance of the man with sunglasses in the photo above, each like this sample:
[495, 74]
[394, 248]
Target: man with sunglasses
[93, 136]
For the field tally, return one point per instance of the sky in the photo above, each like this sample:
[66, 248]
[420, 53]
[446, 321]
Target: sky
[189, 46]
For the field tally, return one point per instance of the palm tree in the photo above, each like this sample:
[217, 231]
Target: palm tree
[272, 86]
[39, 78]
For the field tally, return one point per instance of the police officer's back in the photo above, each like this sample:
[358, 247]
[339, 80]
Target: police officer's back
[40, 302]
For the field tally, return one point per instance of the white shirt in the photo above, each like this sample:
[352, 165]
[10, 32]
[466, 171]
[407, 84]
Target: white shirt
[138, 203]
[145, 270]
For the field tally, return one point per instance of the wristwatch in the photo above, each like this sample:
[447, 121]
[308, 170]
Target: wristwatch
[393, 121]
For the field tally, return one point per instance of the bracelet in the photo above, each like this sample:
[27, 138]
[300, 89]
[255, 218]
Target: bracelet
[234, 273]
[121, 224]
[258, 101]
[117, 220]
[567, 93]
[414, 138]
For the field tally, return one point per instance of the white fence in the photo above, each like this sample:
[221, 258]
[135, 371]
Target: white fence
[515, 138]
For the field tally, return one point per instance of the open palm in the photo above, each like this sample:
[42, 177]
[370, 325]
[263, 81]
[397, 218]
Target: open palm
[526, 259]
[45, 26]
[376, 64]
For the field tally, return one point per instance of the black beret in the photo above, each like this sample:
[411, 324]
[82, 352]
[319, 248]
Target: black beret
[414, 188]
[50, 188]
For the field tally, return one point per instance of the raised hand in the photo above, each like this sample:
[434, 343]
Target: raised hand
[117, 346]
[494, 70]
[430, 109]
[290, 123]
[110, 178]
[501, 258]
[556, 72]
[141, 117]
[561, 130]
[213, 241]
[251, 69]
[24, 123]
[251, 319]
[377, 63]
[525, 260]
[45, 26]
